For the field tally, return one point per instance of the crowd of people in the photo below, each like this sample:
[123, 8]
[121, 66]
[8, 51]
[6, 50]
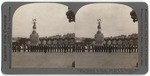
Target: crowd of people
[75, 48]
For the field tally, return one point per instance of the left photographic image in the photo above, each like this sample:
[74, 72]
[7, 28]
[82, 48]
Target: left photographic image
[41, 35]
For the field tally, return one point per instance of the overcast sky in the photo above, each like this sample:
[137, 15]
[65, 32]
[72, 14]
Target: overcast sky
[51, 20]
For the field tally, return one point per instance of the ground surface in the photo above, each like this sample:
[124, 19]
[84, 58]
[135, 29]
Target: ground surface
[82, 60]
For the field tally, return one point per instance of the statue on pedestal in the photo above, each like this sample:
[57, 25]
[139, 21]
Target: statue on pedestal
[99, 37]
[34, 37]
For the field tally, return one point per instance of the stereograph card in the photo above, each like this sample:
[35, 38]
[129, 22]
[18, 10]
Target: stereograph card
[74, 38]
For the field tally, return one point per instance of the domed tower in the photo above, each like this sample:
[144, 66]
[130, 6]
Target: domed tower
[34, 37]
[99, 37]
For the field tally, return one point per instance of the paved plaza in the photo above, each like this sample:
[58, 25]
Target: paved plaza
[82, 60]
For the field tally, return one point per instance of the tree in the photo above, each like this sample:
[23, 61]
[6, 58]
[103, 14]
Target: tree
[133, 16]
[70, 15]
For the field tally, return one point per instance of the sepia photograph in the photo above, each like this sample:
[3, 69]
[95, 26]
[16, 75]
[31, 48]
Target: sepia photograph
[54, 35]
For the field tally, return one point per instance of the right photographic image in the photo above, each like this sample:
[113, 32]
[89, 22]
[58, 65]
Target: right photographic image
[106, 36]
